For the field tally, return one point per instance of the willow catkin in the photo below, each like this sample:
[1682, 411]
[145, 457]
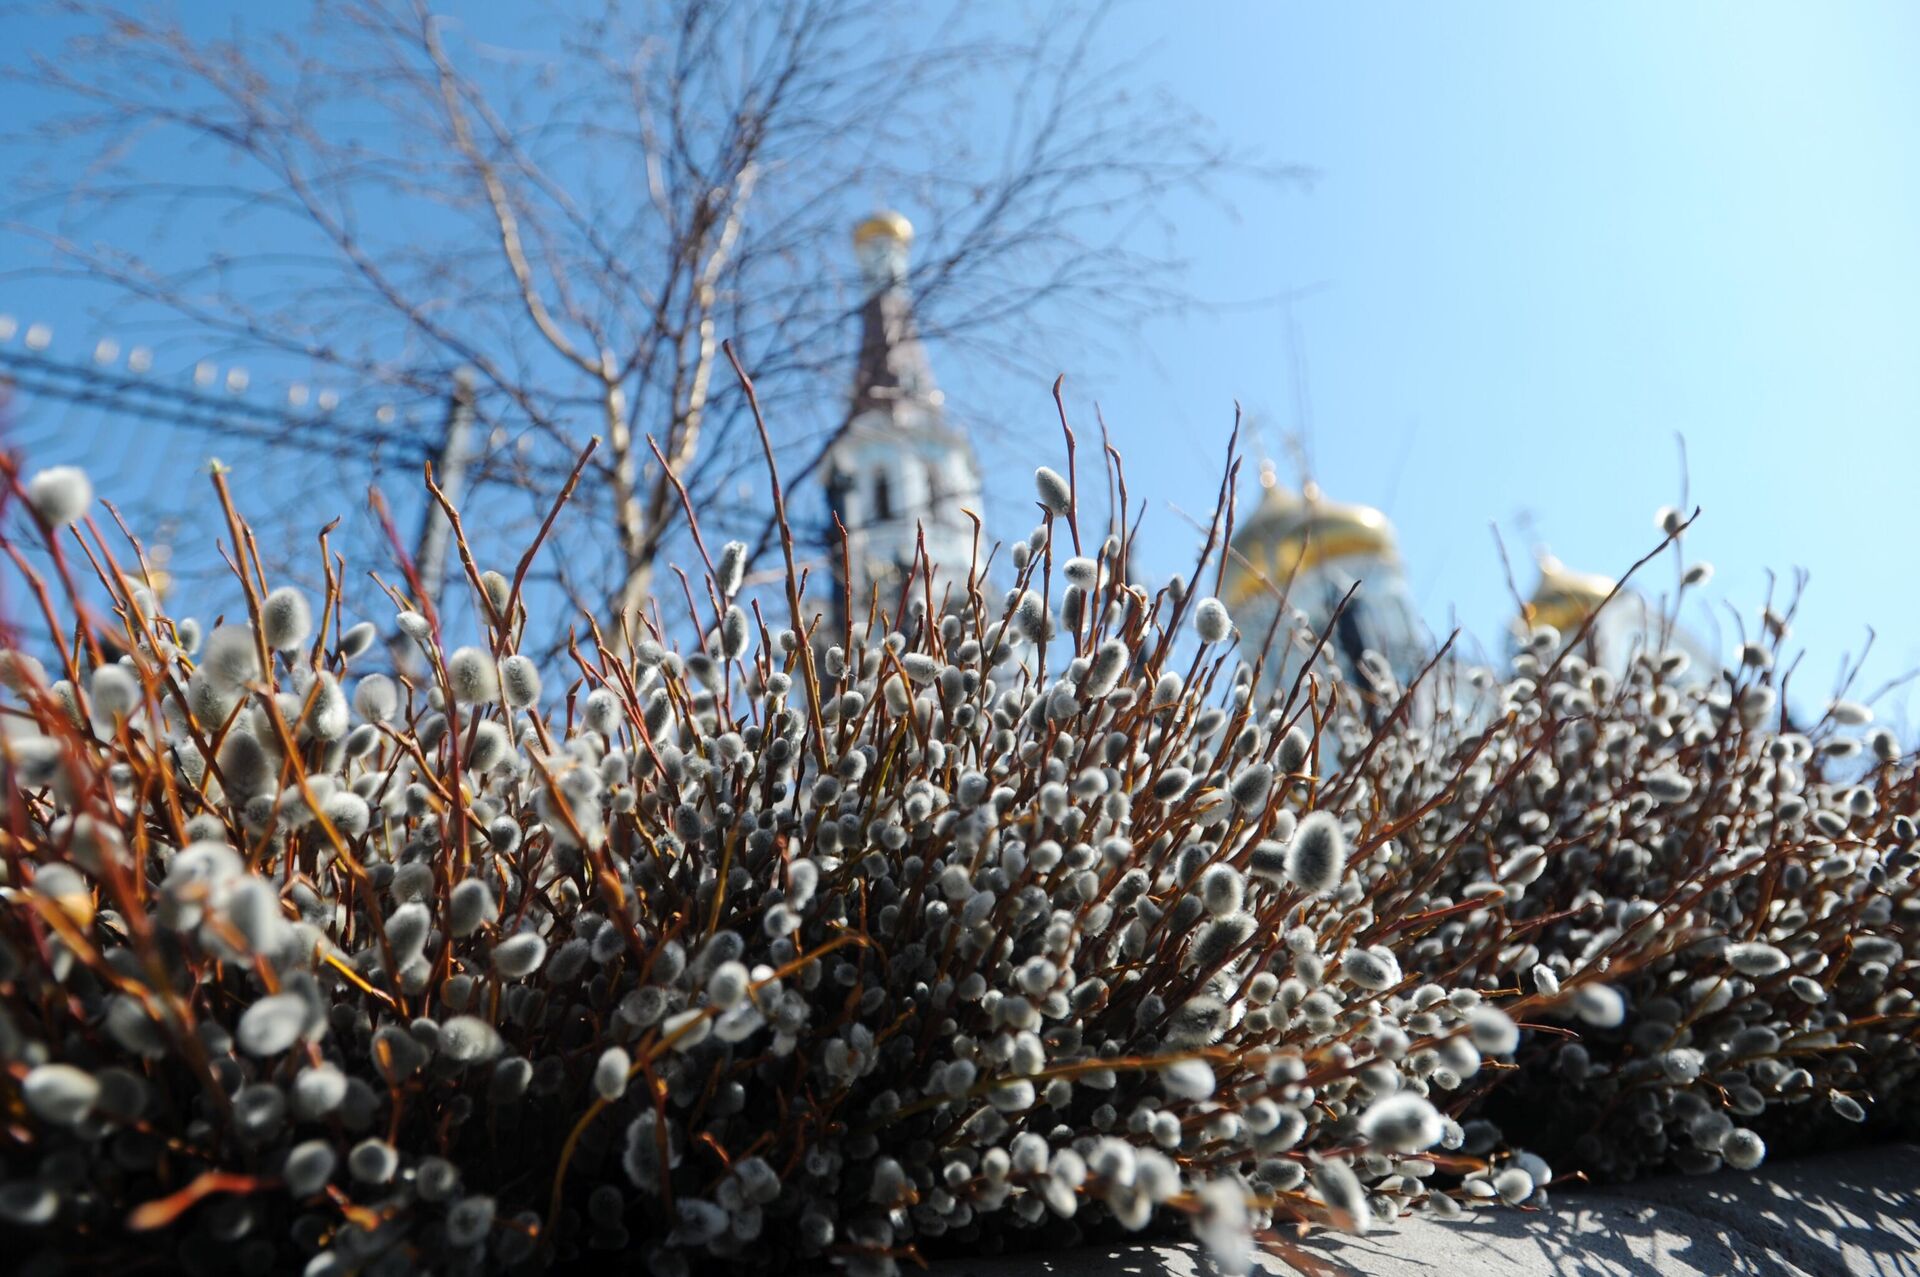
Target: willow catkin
[1211, 621]
[373, 1161]
[1293, 751]
[472, 676]
[60, 494]
[491, 745]
[519, 956]
[1850, 713]
[467, 1039]
[308, 1168]
[727, 986]
[285, 619]
[1317, 856]
[470, 905]
[272, 1024]
[1055, 493]
[1030, 616]
[731, 570]
[520, 681]
[115, 693]
[733, 633]
[376, 698]
[610, 1073]
[1403, 1123]
[1373, 969]
[60, 1094]
[349, 814]
[407, 929]
[1219, 938]
[1743, 1149]
[326, 715]
[602, 711]
[1600, 1005]
[499, 592]
[231, 660]
[1346, 1201]
[1756, 959]
[357, 639]
[244, 765]
[1222, 889]
[1249, 788]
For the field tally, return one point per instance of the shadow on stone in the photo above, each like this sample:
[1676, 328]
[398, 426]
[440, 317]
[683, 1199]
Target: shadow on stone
[1840, 1215]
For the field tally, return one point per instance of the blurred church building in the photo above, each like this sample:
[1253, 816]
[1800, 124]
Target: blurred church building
[904, 484]
[1300, 554]
[899, 477]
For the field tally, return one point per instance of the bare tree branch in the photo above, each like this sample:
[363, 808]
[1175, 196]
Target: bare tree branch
[580, 203]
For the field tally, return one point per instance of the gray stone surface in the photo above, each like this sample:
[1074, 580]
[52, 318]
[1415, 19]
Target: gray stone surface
[1844, 1215]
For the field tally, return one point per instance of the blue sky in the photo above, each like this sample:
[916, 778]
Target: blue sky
[1546, 238]
[1542, 240]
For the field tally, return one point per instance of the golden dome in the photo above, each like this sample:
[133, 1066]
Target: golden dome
[885, 225]
[1290, 534]
[155, 577]
[1565, 599]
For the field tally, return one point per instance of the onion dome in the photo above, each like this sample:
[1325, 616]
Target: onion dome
[1290, 534]
[1565, 599]
[883, 225]
[155, 577]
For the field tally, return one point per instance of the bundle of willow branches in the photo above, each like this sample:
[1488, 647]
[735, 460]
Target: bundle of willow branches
[997, 918]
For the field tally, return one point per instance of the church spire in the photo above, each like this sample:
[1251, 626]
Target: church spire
[893, 364]
[898, 477]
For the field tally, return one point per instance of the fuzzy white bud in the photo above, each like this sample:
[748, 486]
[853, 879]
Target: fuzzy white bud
[727, 986]
[1211, 621]
[1345, 1199]
[231, 660]
[1250, 788]
[272, 1024]
[1188, 1080]
[471, 674]
[610, 1074]
[1756, 959]
[1599, 1005]
[733, 634]
[1222, 889]
[1372, 969]
[469, 906]
[60, 494]
[519, 956]
[731, 569]
[1056, 494]
[1109, 662]
[358, 639]
[1317, 856]
[1403, 1123]
[466, 1039]
[376, 698]
[285, 619]
[60, 1093]
[520, 681]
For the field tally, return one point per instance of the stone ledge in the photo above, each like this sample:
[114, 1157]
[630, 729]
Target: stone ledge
[1840, 1215]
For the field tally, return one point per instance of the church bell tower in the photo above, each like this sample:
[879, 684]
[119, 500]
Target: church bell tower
[898, 476]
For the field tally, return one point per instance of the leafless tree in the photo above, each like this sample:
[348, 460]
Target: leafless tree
[581, 208]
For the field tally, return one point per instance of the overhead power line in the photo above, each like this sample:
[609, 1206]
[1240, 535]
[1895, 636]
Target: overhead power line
[36, 375]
